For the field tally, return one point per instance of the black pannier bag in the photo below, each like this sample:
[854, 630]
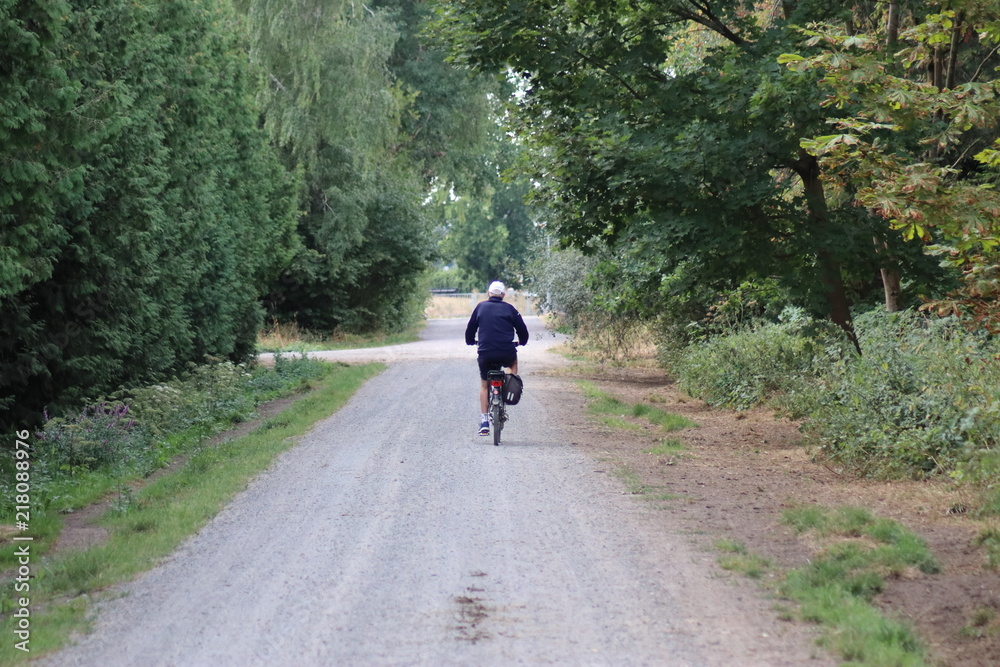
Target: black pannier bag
[512, 388]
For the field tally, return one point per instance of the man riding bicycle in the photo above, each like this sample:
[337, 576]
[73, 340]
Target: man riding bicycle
[497, 323]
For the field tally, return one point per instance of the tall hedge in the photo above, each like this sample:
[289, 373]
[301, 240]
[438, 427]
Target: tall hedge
[142, 210]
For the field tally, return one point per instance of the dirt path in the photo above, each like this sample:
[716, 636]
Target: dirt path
[393, 535]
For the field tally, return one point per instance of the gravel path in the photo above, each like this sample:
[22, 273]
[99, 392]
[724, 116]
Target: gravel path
[393, 535]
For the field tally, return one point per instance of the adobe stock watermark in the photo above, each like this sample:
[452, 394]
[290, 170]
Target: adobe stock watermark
[22, 546]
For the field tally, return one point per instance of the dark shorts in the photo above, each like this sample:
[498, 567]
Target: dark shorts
[486, 365]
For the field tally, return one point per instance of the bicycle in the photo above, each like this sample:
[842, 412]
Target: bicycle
[497, 404]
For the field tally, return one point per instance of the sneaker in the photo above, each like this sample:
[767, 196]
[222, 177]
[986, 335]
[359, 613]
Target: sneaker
[484, 428]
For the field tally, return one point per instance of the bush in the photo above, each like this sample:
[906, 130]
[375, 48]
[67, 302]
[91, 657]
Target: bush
[748, 366]
[100, 435]
[206, 394]
[135, 431]
[287, 372]
[701, 313]
[561, 282]
[924, 397]
[607, 337]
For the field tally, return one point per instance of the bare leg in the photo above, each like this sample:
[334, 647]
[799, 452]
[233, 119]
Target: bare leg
[513, 368]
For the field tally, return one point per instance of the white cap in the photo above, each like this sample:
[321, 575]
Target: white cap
[496, 288]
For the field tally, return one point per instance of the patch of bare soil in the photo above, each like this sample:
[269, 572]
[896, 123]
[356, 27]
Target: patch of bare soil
[82, 529]
[740, 471]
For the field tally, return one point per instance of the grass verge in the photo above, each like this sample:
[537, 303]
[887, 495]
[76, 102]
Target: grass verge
[857, 553]
[737, 558]
[161, 515]
[669, 447]
[613, 411]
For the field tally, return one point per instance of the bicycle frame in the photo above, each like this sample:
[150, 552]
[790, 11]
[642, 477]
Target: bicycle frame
[497, 406]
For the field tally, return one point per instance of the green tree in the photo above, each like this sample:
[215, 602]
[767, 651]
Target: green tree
[451, 133]
[490, 235]
[685, 151]
[36, 96]
[448, 126]
[334, 111]
[161, 209]
[915, 133]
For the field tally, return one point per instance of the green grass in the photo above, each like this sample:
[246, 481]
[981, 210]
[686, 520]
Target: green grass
[837, 586]
[172, 417]
[633, 482]
[619, 422]
[612, 411]
[669, 447]
[857, 631]
[666, 420]
[635, 486]
[601, 402]
[806, 518]
[989, 539]
[980, 624]
[165, 512]
[69, 494]
[896, 548]
[735, 557]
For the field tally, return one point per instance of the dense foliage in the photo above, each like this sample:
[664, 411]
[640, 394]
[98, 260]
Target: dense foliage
[749, 365]
[171, 170]
[672, 133]
[331, 107]
[923, 399]
[134, 432]
[142, 213]
[375, 119]
[912, 100]
[490, 235]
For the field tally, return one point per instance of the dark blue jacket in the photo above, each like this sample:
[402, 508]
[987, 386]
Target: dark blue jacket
[497, 323]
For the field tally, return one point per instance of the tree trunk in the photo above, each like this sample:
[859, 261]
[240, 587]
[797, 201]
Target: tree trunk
[892, 27]
[807, 167]
[890, 276]
[786, 8]
[952, 65]
[937, 73]
[890, 282]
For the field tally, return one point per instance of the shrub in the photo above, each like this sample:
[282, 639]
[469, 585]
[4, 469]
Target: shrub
[924, 397]
[746, 367]
[610, 337]
[206, 394]
[700, 313]
[100, 435]
[133, 431]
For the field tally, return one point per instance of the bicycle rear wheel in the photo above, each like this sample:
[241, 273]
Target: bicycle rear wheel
[496, 413]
